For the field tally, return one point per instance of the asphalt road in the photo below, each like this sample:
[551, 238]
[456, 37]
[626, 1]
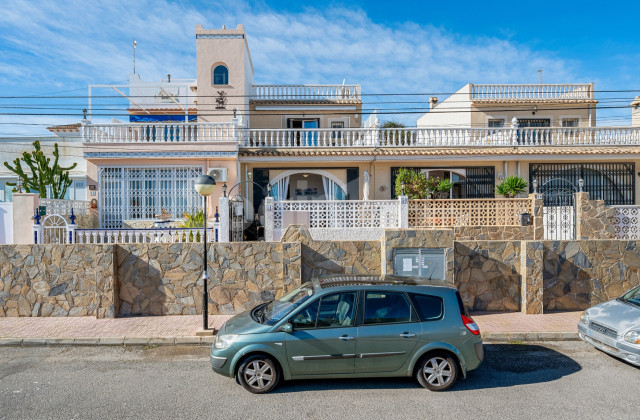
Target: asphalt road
[568, 380]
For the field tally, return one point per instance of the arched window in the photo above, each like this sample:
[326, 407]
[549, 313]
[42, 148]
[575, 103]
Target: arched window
[221, 75]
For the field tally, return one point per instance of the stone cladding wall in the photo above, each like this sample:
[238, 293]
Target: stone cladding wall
[166, 279]
[54, 280]
[321, 258]
[493, 233]
[487, 274]
[417, 238]
[594, 220]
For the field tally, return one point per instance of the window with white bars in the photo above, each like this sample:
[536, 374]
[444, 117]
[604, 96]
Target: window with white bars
[142, 193]
[495, 123]
[570, 122]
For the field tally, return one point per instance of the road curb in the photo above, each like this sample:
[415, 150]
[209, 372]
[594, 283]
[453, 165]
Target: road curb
[506, 337]
[105, 341]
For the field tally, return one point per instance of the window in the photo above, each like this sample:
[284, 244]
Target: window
[570, 122]
[221, 75]
[337, 310]
[307, 317]
[141, 193]
[429, 308]
[386, 307]
[495, 123]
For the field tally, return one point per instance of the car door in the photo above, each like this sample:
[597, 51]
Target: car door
[388, 333]
[323, 337]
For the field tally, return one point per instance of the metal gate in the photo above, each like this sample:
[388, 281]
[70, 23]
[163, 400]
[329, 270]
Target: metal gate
[54, 230]
[559, 209]
[236, 214]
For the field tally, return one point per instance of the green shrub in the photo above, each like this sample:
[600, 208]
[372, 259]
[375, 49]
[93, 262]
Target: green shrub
[512, 186]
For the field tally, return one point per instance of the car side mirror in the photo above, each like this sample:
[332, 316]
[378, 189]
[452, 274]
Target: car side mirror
[287, 328]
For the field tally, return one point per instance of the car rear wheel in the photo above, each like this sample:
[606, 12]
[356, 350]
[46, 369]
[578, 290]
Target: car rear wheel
[437, 372]
[258, 374]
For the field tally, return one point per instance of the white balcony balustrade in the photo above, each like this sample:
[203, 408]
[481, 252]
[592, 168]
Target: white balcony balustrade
[306, 92]
[141, 236]
[159, 132]
[540, 92]
[359, 137]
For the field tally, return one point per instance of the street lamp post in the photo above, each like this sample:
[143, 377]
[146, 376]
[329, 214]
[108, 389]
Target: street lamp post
[205, 184]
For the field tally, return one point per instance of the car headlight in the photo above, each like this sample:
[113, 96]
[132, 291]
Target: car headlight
[225, 341]
[632, 337]
[584, 318]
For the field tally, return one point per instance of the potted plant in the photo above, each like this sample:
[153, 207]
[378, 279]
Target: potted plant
[512, 186]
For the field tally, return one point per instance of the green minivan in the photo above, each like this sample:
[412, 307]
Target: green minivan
[346, 326]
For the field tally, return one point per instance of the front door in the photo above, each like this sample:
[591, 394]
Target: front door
[388, 334]
[324, 337]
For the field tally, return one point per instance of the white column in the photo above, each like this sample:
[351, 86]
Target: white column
[514, 131]
[223, 229]
[403, 209]
[268, 219]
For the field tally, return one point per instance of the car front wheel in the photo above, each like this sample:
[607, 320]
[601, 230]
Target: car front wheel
[437, 372]
[258, 374]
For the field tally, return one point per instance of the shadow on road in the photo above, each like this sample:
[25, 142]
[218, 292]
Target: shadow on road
[504, 365]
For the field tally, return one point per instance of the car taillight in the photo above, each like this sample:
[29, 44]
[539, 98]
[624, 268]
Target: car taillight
[471, 325]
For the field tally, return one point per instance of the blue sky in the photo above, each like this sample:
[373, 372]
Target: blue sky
[57, 48]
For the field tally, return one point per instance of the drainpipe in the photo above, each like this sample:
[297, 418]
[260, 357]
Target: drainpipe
[505, 169]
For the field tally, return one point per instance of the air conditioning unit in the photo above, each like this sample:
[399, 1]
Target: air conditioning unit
[219, 174]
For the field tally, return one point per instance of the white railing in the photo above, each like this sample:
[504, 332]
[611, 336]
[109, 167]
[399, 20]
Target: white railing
[438, 137]
[141, 236]
[306, 92]
[532, 92]
[159, 132]
[468, 212]
[335, 219]
[63, 207]
[627, 221]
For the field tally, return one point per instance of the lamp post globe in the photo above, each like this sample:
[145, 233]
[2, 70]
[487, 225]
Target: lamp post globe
[204, 185]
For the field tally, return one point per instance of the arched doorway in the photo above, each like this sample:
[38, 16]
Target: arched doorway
[307, 185]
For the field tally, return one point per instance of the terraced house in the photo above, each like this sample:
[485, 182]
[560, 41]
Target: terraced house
[306, 143]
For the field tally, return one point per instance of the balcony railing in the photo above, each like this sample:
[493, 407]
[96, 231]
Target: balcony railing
[306, 92]
[531, 92]
[438, 137]
[359, 137]
[158, 132]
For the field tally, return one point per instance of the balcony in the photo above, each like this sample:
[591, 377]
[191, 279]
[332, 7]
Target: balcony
[533, 92]
[308, 93]
[181, 133]
[159, 132]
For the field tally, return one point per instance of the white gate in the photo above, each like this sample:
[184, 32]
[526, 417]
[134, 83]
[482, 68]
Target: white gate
[54, 230]
[559, 209]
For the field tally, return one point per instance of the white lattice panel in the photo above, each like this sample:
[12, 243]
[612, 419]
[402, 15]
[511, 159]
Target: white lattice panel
[341, 214]
[63, 207]
[627, 221]
[468, 212]
[142, 193]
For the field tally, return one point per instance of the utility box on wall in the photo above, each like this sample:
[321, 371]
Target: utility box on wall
[420, 262]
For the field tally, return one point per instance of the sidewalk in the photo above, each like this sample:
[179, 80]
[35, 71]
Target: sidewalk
[181, 329]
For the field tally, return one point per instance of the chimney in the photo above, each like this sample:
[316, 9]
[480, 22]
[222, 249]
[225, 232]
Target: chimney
[433, 101]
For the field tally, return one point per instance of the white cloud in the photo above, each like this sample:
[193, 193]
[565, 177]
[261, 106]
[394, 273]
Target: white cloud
[70, 44]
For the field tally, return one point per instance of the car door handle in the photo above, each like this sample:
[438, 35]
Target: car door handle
[407, 335]
[346, 337]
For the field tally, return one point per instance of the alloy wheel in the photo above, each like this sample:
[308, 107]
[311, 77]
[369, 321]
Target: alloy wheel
[258, 374]
[437, 371]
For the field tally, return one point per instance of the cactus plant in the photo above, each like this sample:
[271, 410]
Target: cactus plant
[42, 173]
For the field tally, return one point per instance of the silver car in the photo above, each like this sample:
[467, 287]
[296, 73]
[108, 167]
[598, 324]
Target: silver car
[614, 326]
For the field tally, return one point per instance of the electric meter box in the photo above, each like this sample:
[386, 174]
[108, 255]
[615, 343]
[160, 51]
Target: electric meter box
[420, 262]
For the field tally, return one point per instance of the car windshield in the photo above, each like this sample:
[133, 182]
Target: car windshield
[632, 296]
[282, 307]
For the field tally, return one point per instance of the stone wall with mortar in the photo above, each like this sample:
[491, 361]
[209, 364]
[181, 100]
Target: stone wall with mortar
[55, 280]
[321, 258]
[487, 274]
[594, 220]
[494, 233]
[166, 279]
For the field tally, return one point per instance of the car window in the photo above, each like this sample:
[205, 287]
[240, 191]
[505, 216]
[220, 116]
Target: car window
[429, 308]
[386, 307]
[337, 310]
[306, 318]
